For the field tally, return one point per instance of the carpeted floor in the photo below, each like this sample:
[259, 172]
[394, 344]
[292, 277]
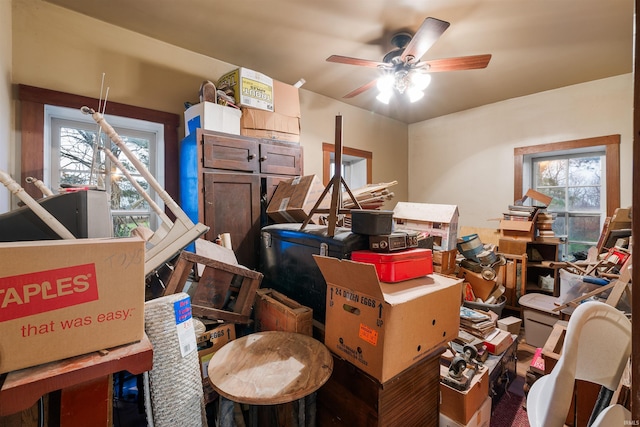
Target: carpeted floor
[510, 411]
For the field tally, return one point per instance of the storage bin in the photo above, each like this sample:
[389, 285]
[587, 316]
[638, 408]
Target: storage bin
[371, 222]
[538, 317]
[398, 266]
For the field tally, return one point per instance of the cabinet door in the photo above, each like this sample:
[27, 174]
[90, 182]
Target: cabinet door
[230, 152]
[232, 205]
[280, 159]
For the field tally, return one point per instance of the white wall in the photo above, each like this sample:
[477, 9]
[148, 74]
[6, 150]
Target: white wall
[466, 158]
[5, 99]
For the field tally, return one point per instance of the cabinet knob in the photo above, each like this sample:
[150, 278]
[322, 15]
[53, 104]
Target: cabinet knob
[263, 158]
[251, 156]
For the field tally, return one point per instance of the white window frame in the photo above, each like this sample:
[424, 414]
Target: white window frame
[122, 125]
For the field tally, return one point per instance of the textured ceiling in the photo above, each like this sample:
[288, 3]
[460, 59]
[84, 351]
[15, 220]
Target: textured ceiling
[536, 45]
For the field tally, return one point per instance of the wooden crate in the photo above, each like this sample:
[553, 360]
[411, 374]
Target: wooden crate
[354, 399]
[277, 312]
[444, 262]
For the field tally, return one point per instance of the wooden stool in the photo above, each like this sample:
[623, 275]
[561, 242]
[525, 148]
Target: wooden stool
[270, 368]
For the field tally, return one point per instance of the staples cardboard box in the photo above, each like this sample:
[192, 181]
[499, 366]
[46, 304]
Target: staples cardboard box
[294, 198]
[63, 298]
[210, 116]
[250, 88]
[384, 328]
[460, 406]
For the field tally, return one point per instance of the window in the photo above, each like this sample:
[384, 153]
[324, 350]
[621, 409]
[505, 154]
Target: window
[137, 127]
[74, 159]
[582, 176]
[356, 165]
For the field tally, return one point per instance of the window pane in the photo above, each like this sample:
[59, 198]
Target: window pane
[585, 171]
[123, 224]
[558, 194]
[584, 228]
[584, 198]
[550, 173]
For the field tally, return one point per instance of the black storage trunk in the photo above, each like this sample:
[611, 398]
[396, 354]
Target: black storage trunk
[288, 266]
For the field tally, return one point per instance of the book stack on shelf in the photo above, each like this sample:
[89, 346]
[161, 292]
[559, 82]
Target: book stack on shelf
[521, 213]
[544, 225]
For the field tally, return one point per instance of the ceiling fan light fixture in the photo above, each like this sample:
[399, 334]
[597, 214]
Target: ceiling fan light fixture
[420, 80]
[385, 83]
[384, 96]
[415, 94]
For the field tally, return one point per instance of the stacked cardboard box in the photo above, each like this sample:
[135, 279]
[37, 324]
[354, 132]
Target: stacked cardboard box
[283, 123]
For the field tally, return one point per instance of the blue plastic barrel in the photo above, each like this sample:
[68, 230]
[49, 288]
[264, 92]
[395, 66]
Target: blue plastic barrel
[188, 180]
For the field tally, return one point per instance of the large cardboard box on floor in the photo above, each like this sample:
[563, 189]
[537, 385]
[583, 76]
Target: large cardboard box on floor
[482, 417]
[460, 406]
[250, 88]
[385, 328]
[440, 221]
[294, 198]
[63, 298]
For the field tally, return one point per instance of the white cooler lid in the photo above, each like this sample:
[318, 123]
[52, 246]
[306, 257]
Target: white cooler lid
[540, 302]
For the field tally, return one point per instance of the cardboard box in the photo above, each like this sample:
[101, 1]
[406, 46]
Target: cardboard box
[517, 230]
[461, 406]
[384, 328]
[499, 343]
[208, 343]
[210, 116]
[276, 312]
[482, 288]
[270, 134]
[63, 298]
[267, 120]
[512, 246]
[294, 198]
[510, 324]
[250, 88]
[440, 221]
[286, 99]
[482, 417]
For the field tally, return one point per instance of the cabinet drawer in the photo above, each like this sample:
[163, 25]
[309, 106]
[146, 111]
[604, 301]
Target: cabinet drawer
[280, 159]
[230, 153]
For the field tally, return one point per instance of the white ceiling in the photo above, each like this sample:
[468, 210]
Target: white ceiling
[537, 45]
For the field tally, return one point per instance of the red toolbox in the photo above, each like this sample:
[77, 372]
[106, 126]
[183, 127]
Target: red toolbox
[397, 266]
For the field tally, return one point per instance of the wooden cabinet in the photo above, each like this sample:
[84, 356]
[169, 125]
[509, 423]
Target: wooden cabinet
[542, 274]
[236, 177]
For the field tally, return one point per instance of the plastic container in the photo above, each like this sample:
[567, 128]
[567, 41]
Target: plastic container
[539, 317]
[496, 308]
[371, 222]
[398, 266]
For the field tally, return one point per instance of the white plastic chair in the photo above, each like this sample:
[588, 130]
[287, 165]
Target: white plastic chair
[614, 415]
[596, 348]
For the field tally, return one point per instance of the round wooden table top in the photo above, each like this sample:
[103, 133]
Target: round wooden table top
[270, 368]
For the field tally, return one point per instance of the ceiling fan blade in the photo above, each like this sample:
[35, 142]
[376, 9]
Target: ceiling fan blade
[428, 33]
[361, 89]
[354, 61]
[460, 63]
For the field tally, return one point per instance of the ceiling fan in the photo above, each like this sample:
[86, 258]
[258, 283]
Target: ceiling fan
[402, 68]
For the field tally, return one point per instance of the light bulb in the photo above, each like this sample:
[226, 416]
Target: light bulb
[420, 80]
[385, 83]
[415, 94]
[384, 96]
